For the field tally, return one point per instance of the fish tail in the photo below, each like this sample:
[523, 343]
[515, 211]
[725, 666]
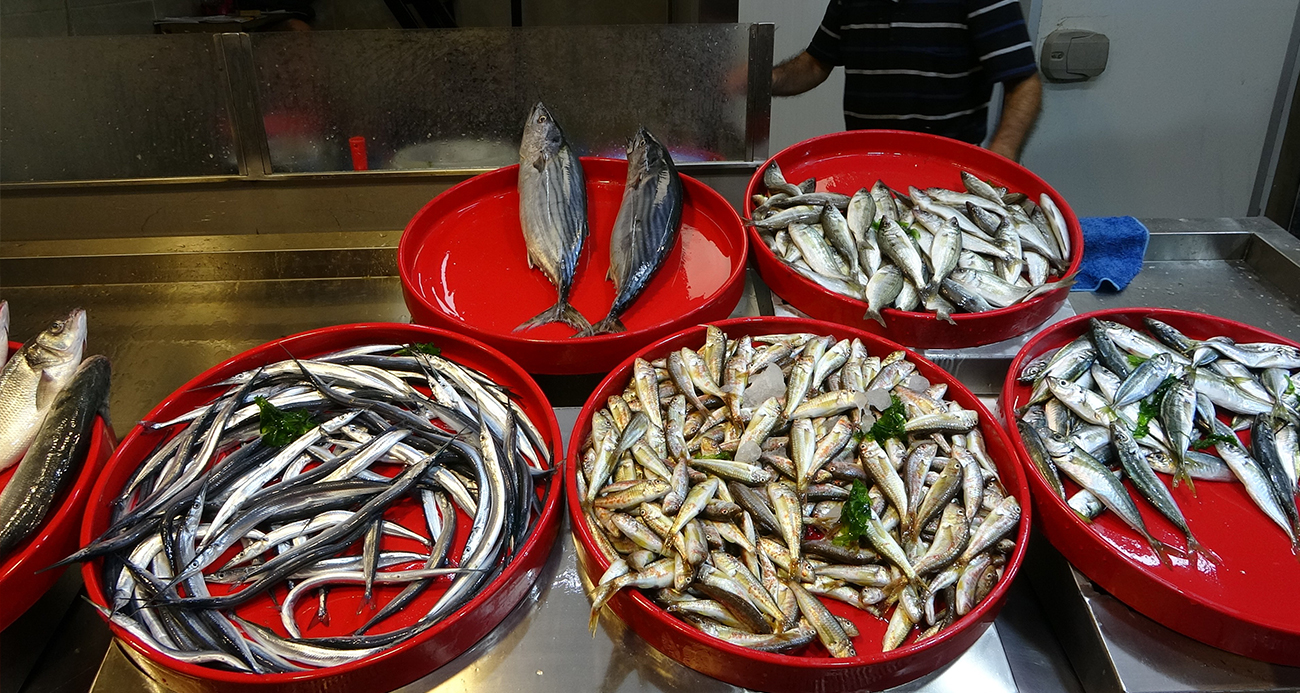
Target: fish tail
[1162, 551]
[599, 598]
[929, 291]
[609, 325]
[1181, 474]
[560, 312]
[874, 315]
[1194, 546]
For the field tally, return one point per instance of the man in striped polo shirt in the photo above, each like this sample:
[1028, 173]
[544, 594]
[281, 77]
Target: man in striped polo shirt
[924, 65]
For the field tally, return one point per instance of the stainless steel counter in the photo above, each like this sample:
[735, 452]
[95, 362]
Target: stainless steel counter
[164, 309]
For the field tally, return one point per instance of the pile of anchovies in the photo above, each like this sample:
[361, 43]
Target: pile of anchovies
[936, 249]
[1117, 402]
[224, 502]
[730, 515]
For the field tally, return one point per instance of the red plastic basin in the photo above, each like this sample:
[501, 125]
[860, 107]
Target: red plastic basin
[871, 669]
[20, 584]
[1248, 605]
[464, 267]
[843, 162]
[409, 660]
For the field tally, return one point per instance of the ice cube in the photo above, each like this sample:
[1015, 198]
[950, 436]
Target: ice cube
[769, 382]
[748, 452]
[878, 398]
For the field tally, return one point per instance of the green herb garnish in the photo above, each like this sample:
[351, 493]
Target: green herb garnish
[859, 435]
[1135, 360]
[1149, 408]
[1290, 386]
[891, 422]
[719, 455]
[279, 427]
[854, 516]
[875, 225]
[421, 348]
[1209, 441]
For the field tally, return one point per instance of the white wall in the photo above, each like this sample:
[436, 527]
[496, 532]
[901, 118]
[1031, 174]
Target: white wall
[1175, 126]
[796, 118]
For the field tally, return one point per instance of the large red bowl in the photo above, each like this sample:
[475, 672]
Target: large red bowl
[20, 584]
[411, 659]
[464, 266]
[845, 161]
[871, 669]
[1247, 605]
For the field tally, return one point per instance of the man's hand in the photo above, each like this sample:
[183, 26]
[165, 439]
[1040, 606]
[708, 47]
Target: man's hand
[799, 74]
[1020, 109]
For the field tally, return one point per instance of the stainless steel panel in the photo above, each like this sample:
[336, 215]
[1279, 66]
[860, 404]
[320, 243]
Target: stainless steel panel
[1117, 650]
[112, 107]
[444, 99]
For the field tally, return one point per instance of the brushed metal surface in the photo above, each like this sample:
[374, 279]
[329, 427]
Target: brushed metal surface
[1117, 650]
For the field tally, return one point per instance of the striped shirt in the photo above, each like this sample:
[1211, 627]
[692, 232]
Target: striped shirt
[924, 65]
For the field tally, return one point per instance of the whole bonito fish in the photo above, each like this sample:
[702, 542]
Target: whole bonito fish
[552, 212]
[59, 450]
[646, 228]
[32, 378]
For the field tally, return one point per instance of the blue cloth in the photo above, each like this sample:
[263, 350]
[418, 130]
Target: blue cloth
[1113, 248]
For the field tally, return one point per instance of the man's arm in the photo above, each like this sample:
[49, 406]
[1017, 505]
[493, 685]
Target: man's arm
[1020, 109]
[798, 74]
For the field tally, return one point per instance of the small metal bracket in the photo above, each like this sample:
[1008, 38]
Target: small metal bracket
[236, 52]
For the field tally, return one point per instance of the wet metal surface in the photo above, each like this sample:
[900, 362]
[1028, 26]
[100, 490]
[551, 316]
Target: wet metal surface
[165, 309]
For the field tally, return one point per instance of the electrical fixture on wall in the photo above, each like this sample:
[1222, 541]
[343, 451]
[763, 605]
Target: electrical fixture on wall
[1070, 55]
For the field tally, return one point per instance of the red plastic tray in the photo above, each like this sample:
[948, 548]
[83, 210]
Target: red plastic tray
[845, 161]
[1248, 605]
[411, 659]
[20, 584]
[464, 266]
[871, 669]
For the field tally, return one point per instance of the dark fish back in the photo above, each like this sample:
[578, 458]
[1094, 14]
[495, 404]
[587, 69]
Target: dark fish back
[59, 450]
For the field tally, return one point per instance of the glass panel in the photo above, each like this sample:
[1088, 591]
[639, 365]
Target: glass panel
[454, 99]
[113, 107]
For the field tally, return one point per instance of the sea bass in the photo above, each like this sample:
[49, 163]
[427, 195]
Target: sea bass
[646, 227]
[552, 212]
[56, 454]
[33, 377]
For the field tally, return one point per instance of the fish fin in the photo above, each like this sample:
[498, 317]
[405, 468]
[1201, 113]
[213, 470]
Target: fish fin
[1161, 549]
[560, 312]
[946, 317]
[1197, 547]
[609, 325]
[540, 162]
[1182, 474]
[875, 315]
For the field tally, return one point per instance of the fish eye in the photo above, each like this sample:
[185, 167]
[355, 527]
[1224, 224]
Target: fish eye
[57, 327]
[541, 118]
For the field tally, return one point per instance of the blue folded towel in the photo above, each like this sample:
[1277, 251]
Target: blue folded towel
[1113, 248]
